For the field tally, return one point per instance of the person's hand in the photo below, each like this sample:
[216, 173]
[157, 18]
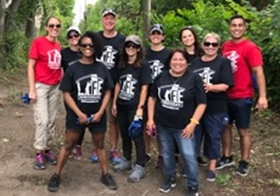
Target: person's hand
[97, 117]
[207, 87]
[188, 130]
[114, 110]
[32, 96]
[150, 126]
[83, 119]
[139, 112]
[262, 103]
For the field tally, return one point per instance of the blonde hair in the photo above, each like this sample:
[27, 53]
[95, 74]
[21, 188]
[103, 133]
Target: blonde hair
[214, 35]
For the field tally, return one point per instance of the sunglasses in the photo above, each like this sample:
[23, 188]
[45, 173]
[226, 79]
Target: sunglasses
[72, 36]
[86, 45]
[54, 25]
[214, 44]
[133, 46]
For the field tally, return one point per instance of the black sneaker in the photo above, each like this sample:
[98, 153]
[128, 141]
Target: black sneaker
[201, 162]
[243, 168]
[108, 181]
[225, 162]
[210, 176]
[54, 183]
[169, 183]
[192, 192]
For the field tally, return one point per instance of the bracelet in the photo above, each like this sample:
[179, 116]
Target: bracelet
[194, 121]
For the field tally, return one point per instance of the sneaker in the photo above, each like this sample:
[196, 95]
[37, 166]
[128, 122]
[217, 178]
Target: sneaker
[243, 168]
[54, 182]
[115, 157]
[192, 192]
[169, 183]
[224, 162]
[108, 181]
[40, 162]
[138, 172]
[148, 158]
[210, 176]
[77, 151]
[93, 156]
[201, 162]
[123, 165]
[159, 163]
[183, 173]
[51, 157]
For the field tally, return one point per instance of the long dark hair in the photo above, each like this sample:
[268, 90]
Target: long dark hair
[197, 47]
[124, 57]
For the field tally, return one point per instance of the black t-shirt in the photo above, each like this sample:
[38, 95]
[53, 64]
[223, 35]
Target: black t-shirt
[87, 85]
[111, 53]
[157, 60]
[216, 71]
[192, 57]
[177, 98]
[131, 80]
[68, 57]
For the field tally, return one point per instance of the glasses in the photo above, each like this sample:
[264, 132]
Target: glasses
[214, 44]
[54, 25]
[133, 46]
[72, 36]
[86, 45]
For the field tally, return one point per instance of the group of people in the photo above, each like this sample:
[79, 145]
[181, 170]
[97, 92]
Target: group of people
[186, 97]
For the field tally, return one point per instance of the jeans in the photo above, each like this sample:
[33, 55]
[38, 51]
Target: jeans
[124, 119]
[170, 136]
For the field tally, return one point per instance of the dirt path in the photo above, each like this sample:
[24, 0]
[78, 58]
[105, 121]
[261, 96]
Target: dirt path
[18, 178]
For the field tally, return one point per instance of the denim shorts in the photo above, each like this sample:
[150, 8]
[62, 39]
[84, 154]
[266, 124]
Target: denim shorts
[239, 111]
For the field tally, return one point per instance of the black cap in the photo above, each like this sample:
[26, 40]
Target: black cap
[157, 27]
[107, 11]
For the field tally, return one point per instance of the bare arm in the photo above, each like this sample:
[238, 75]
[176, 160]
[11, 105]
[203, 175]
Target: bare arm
[151, 113]
[262, 101]
[31, 79]
[216, 88]
[143, 97]
[105, 101]
[116, 94]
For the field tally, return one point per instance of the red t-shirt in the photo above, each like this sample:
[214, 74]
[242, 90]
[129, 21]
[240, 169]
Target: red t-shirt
[47, 55]
[244, 56]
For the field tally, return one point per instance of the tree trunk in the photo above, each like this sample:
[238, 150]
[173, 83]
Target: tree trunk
[2, 16]
[146, 4]
[11, 14]
[30, 29]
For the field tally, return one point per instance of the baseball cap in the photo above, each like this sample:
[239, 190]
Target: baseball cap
[73, 28]
[157, 27]
[107, 11]
[134, 39]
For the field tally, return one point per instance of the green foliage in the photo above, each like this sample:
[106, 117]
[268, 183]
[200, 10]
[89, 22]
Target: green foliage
[223, 179]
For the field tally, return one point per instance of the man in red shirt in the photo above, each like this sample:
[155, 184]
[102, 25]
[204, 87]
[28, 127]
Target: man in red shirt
[246, 61]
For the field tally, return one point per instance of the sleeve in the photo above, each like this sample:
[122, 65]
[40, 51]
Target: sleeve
[200, 94]
[226, 74]
[67, 84]
[254, 55]
[146, 75]
[34, 50]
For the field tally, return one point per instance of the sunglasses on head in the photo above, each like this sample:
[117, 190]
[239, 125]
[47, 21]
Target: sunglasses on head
[130, 45]
[72, 36]
[214, 44]
[86, 45]
[54, 25]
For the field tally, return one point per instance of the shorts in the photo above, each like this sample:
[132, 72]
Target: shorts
[239, 112]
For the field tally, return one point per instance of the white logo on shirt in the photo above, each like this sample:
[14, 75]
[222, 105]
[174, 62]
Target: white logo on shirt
[92, 90]
[206, 74]
[108, 57]
[233, 56]
[172, 98]
[128, 87]
[54, 59]
[156, 68]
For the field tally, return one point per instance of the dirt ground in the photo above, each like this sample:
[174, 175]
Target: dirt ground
[19, 178]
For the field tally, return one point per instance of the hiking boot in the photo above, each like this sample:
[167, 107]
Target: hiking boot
[168, 184]
[159, 163]
[77, 152]
[93, 156]
[40, 162]
[123, 165]
[201, 161]
[192, 192]
[115, 157]
[108, 181]
[243, 168]
[224, 162]
[138, 172]
[51, 157]
[210, 176]
[148, 158]
[54, 182]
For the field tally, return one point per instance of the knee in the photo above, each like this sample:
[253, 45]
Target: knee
[68, 145]
[99, 145]
[244, 132]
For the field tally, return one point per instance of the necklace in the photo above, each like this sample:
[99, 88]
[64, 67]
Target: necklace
[177, 78]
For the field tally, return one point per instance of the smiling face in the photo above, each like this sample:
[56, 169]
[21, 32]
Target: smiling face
[237, 28]
[86, 47]
[53, 27]
[109, 22]
[131, 49]
[156, 37]
[210, 46]
[178, 63]
[73, 38]
[187, 38]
